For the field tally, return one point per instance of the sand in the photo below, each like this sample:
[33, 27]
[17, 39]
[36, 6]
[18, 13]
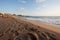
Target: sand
[46, 26]
[12, 28]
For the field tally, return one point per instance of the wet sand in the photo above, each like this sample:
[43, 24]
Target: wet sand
[17, 29]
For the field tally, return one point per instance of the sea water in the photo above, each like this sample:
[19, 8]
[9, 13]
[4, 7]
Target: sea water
[51, 20]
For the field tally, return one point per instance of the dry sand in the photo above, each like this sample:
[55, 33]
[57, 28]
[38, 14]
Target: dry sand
[14, 29]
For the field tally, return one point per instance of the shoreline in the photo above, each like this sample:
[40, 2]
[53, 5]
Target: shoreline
[49, 27]
[43, 25]
[47, 21]
[57, 26]
[44, 22]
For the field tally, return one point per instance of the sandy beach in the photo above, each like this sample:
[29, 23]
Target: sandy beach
[12, 28]
[43, 25]
[46, 26]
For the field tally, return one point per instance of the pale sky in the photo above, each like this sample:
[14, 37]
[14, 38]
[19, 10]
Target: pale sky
[31, 7]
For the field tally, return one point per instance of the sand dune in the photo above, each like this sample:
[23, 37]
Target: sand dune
[14, 29]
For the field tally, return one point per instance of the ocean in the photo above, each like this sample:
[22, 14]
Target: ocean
[50, 20]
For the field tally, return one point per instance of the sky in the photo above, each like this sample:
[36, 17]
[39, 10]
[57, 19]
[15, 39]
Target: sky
[31, 7]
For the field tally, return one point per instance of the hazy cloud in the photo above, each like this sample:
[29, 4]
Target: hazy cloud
[22, 10]
[22, 1]
[45, 6]
[39, 1]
